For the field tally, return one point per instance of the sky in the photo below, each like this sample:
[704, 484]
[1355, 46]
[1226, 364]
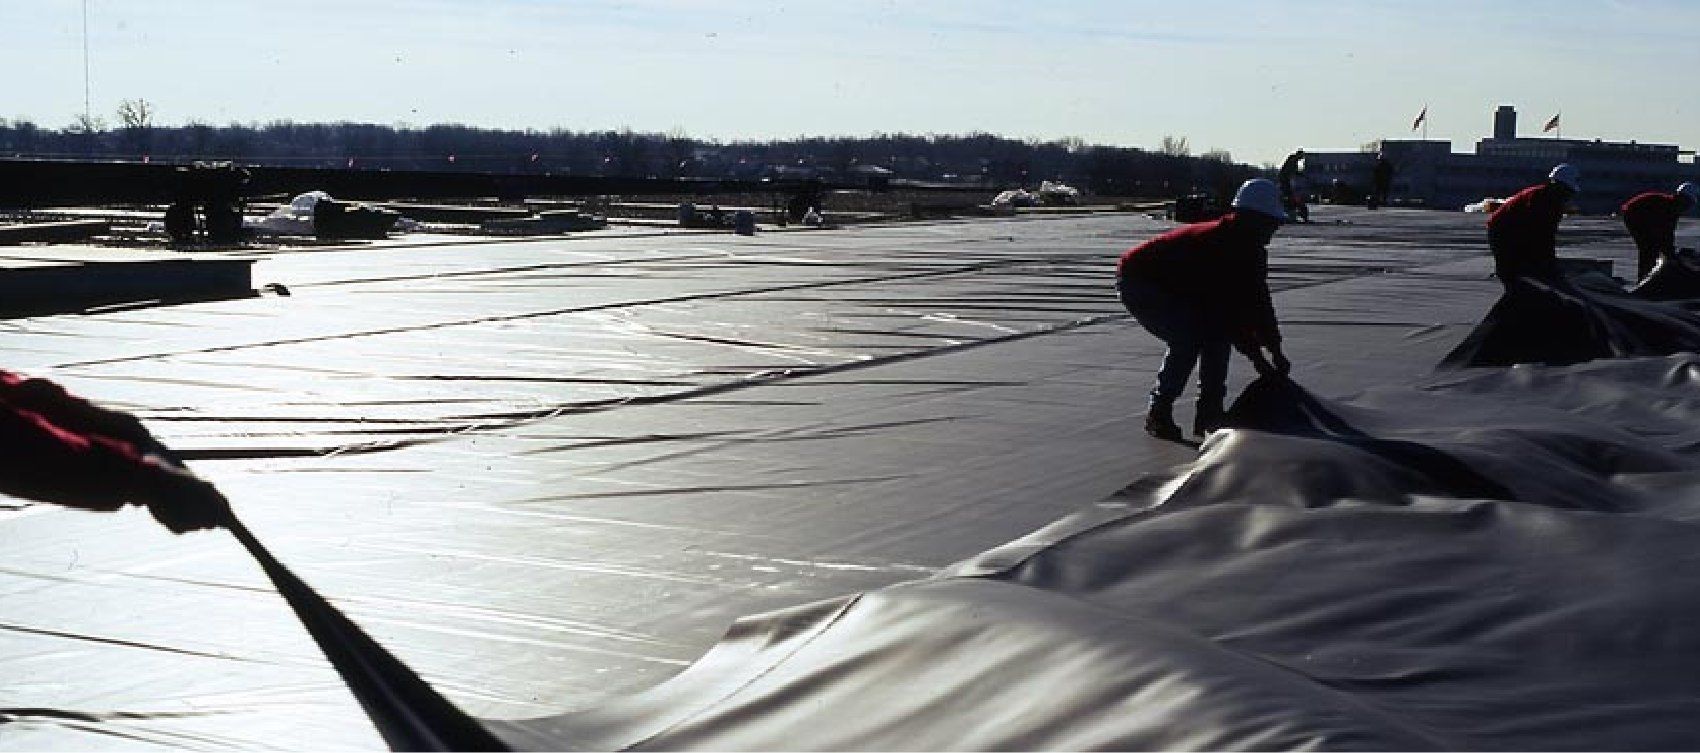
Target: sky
[1257, 79]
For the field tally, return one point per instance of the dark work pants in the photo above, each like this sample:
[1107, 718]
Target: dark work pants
[1513, 258]
[1182, 326]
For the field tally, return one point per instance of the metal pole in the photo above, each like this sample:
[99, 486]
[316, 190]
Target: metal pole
[88, 112]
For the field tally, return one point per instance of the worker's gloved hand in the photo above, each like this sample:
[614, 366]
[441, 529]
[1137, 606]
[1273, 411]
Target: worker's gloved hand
[1261, 364]
[182, 502]
[65, 450]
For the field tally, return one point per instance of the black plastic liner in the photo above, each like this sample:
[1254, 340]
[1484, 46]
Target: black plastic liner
[1502, 561]
[544, 475]
[1576, 319]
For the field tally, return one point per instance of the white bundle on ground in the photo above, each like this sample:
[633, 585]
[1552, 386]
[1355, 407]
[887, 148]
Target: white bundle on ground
[296, 218]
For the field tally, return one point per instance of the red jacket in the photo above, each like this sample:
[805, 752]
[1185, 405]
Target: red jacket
[1220, 265]
[1651, 219]
[1523, 232]
[60, 448]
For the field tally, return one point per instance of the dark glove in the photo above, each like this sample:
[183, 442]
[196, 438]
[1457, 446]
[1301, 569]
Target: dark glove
[182, 502]
[1262, 364]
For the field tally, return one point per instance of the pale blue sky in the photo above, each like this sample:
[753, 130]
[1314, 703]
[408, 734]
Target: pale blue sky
[1255, 78]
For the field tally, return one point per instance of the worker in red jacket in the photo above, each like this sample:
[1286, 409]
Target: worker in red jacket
[1523, 232]
[1651, 219]
[62, 449]
[1202, 289]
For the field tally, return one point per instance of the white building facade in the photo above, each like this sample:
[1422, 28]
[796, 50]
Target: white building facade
[1429, 173]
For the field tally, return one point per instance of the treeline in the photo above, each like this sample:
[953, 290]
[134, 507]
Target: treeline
[975, 158]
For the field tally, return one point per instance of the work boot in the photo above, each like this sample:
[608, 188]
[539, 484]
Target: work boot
[1209, 417]
[1160, 421]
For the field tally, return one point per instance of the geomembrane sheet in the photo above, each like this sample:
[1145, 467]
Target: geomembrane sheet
[550, 474]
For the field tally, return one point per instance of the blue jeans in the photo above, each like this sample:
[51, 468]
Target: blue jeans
[1183, 327]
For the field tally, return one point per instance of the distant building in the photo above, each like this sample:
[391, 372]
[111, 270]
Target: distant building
[1429, 173]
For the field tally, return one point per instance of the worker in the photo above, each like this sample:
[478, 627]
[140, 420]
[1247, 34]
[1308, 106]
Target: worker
[62, 449]
[1523, 231]
[1290, 198]
[1651, 220]
[1381, 177]
[1201, 289]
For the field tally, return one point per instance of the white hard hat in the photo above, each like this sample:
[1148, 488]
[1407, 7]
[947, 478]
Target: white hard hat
[1690, 190]
[1566, 174]
[1260, 195]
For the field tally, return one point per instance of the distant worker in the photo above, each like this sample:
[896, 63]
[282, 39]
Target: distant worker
[1381, 177]
[1201, 289]
[1523, 231]
[1290, 169]
[1651, 219]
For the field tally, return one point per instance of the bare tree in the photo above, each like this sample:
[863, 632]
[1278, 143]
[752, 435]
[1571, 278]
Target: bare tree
[136, 119]
[1176, 146]
[1218, 155]
[86, 124]
[86, 130]
[136, 113]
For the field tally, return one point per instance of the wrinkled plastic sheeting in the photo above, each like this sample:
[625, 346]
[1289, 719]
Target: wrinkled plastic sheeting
[1673, 278]
[545, 474]
[1582, 317]
[1328, 576]
[294, 218]
[1058, 192]
[1015, 197]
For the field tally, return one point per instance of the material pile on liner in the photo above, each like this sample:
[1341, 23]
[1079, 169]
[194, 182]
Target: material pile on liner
[1586, 316]
[1673, 278]
[1051, 192]
[1015, 197]
[296, 218]
[1494, 561]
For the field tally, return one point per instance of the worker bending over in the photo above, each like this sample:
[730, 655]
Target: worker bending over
[1651, 220]
[1523, 232]
[1201, 289]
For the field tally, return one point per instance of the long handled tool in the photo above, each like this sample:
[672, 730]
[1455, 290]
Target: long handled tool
[407, 712]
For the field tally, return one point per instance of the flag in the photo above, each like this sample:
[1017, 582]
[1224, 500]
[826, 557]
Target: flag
[1551, 124]
[351, 162]
[1421, 116]
[534, 156]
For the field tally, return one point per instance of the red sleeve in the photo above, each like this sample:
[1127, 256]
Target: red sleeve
[49, 463]
[67, 411]
[60, 448]
[1173, 259]
[1531, 216]
[1651, 210]
[1237, 292]
[1248, 303]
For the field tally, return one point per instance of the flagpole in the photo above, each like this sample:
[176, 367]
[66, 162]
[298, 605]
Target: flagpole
[88, 114]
